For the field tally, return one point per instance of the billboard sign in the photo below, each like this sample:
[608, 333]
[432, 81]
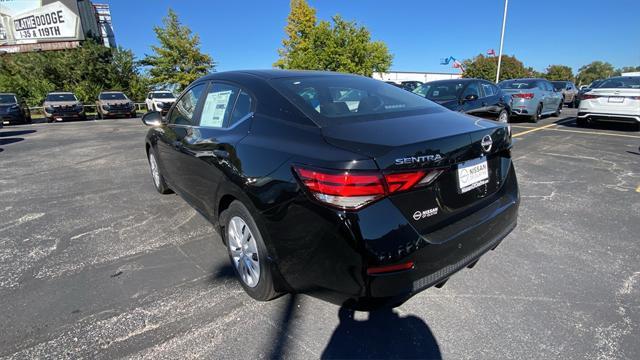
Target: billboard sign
[34, 21]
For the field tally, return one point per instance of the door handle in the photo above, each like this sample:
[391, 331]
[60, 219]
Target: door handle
[221, 154]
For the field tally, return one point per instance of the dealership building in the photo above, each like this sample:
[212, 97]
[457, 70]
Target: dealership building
[40, 25]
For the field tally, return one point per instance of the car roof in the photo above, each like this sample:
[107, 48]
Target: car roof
[60, 93]
[526, 79]
[111, 92]
[464, 80]
[274, 74]
[8, 94]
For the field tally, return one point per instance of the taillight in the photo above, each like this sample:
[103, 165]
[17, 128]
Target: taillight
[589, 96]
[527, 96]
[352, 190]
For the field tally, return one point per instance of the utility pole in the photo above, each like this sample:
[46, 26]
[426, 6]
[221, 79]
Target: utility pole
[504, 22]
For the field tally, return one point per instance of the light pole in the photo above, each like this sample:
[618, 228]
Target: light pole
[504, 22]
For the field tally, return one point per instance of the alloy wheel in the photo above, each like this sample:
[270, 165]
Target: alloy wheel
[503, 117]
[244, 251]
[155, 172]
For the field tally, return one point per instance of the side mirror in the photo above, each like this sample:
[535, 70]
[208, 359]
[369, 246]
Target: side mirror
[471, 97]
[153, 118]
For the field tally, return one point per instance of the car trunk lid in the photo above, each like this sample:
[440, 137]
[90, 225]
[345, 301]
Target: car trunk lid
[442, 141]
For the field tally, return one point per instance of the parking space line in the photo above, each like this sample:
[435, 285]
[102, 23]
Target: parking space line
[638, 189]
[596, 133]
[541, 128]
[548, 126]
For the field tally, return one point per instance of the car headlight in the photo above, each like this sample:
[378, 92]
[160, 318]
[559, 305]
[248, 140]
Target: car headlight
[48, 109]
[105, 107]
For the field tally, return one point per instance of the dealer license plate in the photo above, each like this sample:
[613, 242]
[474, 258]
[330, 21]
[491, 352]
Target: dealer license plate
[472, 174]
[616, 99]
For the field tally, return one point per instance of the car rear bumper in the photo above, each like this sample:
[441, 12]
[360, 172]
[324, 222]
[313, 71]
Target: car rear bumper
[327, 252]
[523, 107]
[609, 117]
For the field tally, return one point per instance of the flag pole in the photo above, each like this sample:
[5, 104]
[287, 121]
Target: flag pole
[504, 22]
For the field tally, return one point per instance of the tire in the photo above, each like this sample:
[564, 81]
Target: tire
[156, 176]
[559, 109]
[576, 103]
[581, 122]
[99, 115]
[255, 277]
[503, 117]
[535, 117]
[49, 120]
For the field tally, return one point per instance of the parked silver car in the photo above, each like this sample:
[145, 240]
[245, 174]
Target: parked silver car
[569, 92]
[533, 98]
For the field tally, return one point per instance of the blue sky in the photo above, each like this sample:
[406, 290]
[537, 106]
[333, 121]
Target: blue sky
[246, 34]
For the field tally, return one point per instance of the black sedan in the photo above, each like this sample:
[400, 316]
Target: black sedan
[335, 185]
[472, 96]
[13, 109]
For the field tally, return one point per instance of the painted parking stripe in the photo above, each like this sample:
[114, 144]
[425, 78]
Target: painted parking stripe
[638, 189]
[542, 127]
[547, 127]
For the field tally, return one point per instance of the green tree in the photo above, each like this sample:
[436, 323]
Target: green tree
[341, 46]
[625, 69]
[484, 67]
[178, 60]
[85, 70]
[558, 72]
[594, 71]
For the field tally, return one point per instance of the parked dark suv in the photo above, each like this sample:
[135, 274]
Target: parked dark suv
[335, 185]
[472, 96]
[13, 109]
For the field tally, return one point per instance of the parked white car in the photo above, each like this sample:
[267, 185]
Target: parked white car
[160, 101]
[616, 99]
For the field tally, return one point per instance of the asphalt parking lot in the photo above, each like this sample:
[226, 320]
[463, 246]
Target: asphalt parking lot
[94, 263]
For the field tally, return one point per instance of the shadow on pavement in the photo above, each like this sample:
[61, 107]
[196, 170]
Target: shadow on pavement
[16, 133]
[10, 140]
[384, 335]
[601, 126]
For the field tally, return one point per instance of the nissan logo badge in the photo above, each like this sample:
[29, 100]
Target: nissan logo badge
[486, 143]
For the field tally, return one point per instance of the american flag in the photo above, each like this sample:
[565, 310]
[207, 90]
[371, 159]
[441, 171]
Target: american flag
[491, 52]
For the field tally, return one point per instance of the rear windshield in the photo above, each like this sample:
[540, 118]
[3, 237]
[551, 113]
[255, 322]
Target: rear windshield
[162, 95]
[112, 96]
[632, 82]
[518, 84]
[559, 85]
[441, 91]
[327, 99]
[61, 97]
[7, 99]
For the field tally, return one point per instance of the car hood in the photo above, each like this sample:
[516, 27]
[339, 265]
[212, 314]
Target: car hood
[165, 100]
[5, 107]
[61, 103]
[449, 104]
[114, 102]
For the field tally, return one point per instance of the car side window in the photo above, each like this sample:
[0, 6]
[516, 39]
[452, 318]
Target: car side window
[488, 89]
[218, 105]
[472, 89]
[241, 109]
[185, 108]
